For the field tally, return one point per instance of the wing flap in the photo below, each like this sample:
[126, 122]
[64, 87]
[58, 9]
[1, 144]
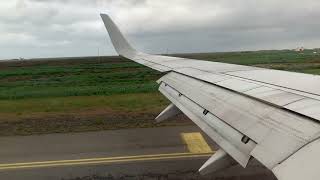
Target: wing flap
[227, 138]
[278, 133]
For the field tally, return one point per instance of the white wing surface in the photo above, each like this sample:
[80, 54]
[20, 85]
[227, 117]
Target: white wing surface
[270, 115]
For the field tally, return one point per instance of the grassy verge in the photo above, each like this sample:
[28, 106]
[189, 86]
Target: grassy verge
[89, 93]
[82, 113]
[120, 102]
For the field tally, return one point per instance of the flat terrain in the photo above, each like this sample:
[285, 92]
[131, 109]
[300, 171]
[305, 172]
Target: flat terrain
[149, 153]
[43, 96]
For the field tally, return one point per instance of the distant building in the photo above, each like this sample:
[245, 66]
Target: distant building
[299, 49]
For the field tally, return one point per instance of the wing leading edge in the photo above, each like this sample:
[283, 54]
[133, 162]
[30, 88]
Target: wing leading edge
[247, 117]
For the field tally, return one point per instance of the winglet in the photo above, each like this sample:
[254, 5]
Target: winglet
[124, 49]
[120, 44]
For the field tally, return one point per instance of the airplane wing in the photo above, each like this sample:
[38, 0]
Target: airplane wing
[270, 115]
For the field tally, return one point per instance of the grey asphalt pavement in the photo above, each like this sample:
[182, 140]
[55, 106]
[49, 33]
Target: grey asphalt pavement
[149, 153]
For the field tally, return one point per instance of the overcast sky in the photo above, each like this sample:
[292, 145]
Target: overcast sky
[56, 28]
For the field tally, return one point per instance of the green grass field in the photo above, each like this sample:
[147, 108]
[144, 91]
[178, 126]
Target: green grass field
[90, 93]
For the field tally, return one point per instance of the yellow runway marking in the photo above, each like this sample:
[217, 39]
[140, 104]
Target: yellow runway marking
[102, 160]
[195, 142]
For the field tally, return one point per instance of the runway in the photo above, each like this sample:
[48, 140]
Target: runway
[134, 153]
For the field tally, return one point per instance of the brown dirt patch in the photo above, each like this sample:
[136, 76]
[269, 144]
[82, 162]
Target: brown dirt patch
[84, 120]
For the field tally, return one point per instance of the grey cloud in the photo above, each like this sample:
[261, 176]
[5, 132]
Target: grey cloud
[42, 28]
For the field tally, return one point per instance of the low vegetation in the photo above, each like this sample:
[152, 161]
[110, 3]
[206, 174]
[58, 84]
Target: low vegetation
[96, 93]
